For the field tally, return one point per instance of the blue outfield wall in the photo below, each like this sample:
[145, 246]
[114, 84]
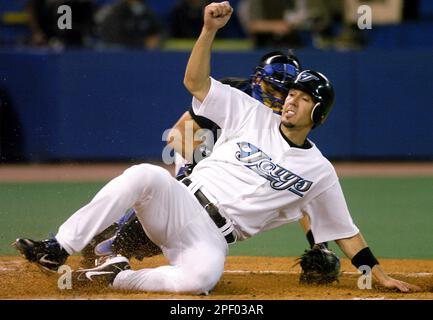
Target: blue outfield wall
[115, 105]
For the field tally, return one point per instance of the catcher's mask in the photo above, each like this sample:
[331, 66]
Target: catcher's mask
[278, 71]
[320, 88]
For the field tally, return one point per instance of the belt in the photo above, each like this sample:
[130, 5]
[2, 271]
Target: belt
[225, 227]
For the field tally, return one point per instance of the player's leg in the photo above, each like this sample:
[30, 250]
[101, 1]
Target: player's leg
[88, 253]
[107, 206]
[125, 237]
[105, 237]
[191, 242]
[129, 241]
[197, 271]
[128, 238]
[127, 234]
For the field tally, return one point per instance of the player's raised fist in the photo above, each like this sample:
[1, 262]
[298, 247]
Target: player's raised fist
[217, 14]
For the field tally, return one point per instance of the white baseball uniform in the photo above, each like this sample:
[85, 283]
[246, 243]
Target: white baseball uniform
[256, 179]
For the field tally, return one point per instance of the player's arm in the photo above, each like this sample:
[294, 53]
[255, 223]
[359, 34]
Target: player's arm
[306, 227]
[197, 74]
[356, 249]
[182, 136]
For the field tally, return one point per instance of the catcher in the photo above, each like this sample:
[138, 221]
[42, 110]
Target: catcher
[269, 84]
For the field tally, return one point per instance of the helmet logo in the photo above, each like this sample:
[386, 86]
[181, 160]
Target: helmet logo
[305, 76]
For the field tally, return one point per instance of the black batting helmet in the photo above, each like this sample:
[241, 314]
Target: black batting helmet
[320, 88]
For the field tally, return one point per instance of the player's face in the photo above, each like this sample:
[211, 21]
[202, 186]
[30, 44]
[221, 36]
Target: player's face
[297, 109]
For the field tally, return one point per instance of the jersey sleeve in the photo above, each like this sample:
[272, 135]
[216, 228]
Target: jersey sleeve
[329, 216]
[238, 83]
[224, 105]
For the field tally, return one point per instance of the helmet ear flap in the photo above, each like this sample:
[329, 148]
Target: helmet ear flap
[313, 116]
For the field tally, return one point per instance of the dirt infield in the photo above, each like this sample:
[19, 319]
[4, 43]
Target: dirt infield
[104, 171]
[245, 278]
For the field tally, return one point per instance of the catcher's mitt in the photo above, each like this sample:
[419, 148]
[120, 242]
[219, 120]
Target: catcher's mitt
[319, 266]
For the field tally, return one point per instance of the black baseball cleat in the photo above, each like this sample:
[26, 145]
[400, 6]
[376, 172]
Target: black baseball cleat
[102, 275]
[47, 254]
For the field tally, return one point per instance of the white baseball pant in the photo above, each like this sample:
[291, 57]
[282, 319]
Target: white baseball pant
[172, 218]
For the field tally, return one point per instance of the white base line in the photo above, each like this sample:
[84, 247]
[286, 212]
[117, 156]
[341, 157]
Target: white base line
[12, 265]
[410, 274]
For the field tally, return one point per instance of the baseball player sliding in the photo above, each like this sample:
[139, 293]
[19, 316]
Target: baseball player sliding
[264, 172]
[269, 84]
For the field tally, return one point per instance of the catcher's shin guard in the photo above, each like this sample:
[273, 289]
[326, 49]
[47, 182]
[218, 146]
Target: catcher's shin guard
[132, 241]
[88, 253]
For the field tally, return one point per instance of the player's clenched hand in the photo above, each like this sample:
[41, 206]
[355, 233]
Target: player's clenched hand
[216, 15]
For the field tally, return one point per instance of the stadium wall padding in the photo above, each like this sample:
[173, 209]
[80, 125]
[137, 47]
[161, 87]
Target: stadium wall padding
[115, 105]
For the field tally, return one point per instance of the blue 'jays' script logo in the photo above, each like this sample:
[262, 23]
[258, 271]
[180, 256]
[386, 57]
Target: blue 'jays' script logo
[280, 178]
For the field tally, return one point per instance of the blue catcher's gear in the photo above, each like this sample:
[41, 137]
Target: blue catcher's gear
[125, 237]
[278, 71]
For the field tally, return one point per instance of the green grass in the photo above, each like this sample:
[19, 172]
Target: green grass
[394, 214]
[35, 210]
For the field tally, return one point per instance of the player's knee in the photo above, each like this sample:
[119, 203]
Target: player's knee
[147, 176]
